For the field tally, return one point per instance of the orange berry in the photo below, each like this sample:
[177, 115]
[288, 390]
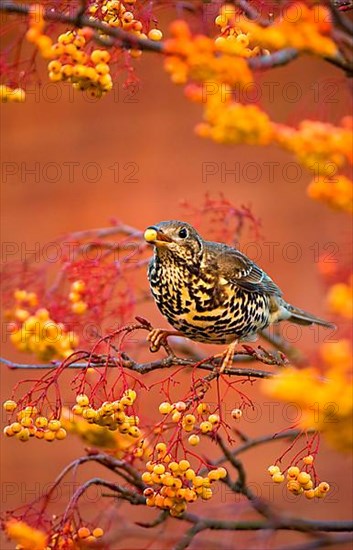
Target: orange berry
[308, 459]
[83, 532]
[60, 434]
[49, 435]
[98, 532]
[324, 487]
[194, 440]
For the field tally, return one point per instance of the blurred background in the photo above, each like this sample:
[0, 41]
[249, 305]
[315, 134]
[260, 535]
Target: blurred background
[69, 163]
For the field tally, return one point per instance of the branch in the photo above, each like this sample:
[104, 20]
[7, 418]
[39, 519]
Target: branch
[142, 368]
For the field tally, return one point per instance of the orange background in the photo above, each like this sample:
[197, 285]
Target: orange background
[156, 134]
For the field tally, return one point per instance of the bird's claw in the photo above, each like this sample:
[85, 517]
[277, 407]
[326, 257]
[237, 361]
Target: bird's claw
[157, 338]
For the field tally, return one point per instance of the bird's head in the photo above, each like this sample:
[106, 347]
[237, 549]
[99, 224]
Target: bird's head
[176, 239]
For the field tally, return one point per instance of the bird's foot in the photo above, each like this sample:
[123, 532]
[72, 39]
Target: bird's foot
[227, 356]
[158, 337]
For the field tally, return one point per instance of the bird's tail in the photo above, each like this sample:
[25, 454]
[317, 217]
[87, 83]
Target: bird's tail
[301, 317]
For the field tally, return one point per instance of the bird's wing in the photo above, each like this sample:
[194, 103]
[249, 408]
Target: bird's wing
[235, 267]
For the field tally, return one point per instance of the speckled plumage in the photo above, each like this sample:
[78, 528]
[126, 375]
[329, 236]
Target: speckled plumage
[211, 292]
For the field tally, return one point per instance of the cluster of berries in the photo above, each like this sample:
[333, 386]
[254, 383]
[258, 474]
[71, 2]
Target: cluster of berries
[298, 481]
[76, 295]
[175, 484]
[231, 38]
[204, 424]
[31, 424]
[71, 63]
[121, 14]
[33, 330]
[111, 414]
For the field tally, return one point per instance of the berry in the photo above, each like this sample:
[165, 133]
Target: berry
[9, 405]
[214, 418]
[155, 34]
[293, 472]
[194, 440]
[303, 478]
[308, 460]
[278, 477]
[165, 407]
[206, 427]
[82, 400]
[237, 413]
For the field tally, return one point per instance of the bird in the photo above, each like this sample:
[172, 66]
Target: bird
[211, 292]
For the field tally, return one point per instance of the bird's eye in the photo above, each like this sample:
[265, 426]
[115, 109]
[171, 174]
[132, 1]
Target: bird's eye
[183, 233]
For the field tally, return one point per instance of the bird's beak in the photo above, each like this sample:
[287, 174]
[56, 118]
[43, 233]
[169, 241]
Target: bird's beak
[153, 236]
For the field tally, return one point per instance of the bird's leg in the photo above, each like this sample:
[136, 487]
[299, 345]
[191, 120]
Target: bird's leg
[227, 356]
[158, 337]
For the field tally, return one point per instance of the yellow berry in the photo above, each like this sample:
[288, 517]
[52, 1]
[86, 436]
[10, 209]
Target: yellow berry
[89, 413]
[23, 435]
[213, 475]
[202, 408]
[293, 471]
[16, 427]
[146, 477]
[194, 440]
[308, 459]
[189, 419]
[27, 422]
[206, 427]
[165, 407]
[310, 494]
[102, 69]
[303, 478]
[159, 469]
[155, 34]
[190, 474]
[54, 66]
[100, 56]
[77, 409]
[278, 477]
[222, 472]
[161, 447]
[214, 418]
[60, 434]
[9, 405]
[82, 400]
[176, 416]
[134, 431]
[184, 465]
[8, 431]
[54, 425]
[173, 466]
[197, 481]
